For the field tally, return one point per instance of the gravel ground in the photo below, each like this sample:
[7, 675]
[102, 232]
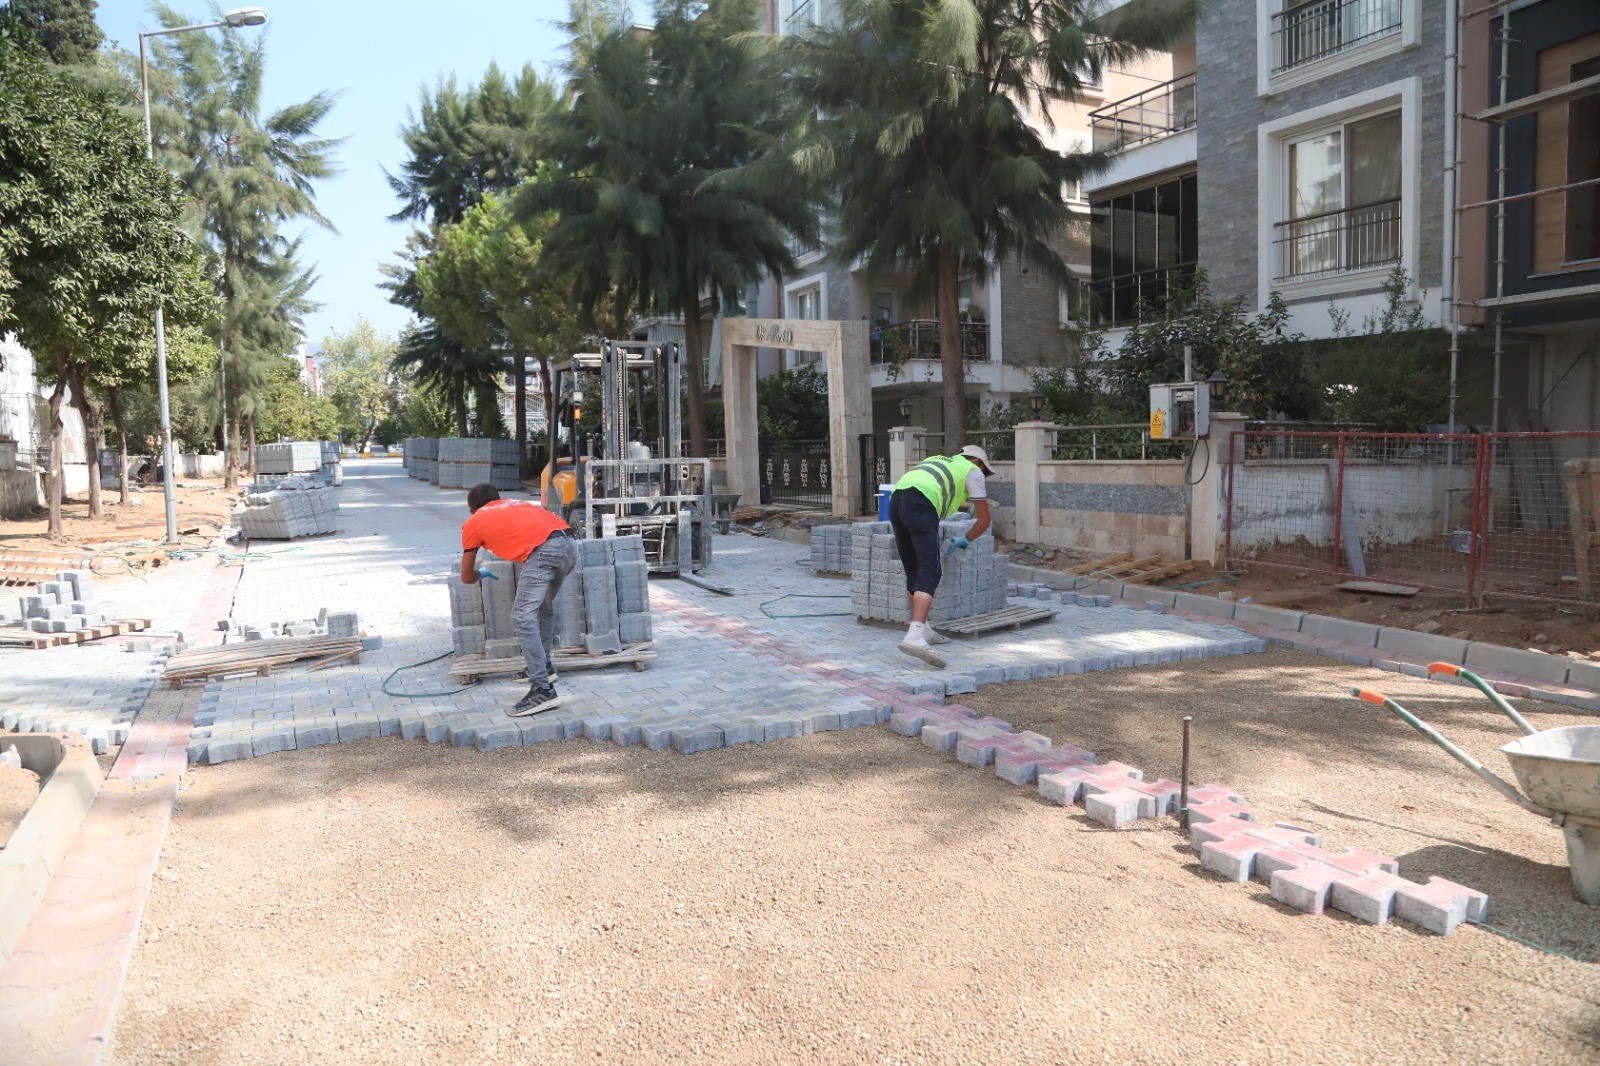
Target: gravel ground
[850, 897]
[18, 789]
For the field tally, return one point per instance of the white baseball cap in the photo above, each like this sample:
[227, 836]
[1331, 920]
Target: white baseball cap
[979, 456]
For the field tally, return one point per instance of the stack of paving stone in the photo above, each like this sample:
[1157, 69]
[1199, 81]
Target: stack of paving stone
[289, 511]
[333, 462]
[974, 579]
[422, 458]
[831, 549]
[62, 605]
[465, 462]
[603, 604]
[289, 457]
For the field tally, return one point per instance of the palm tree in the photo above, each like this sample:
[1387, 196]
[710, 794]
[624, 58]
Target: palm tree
[922, 133]
[245, 174]
[653, 171]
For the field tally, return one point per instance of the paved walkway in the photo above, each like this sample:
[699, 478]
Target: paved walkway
[729, 669]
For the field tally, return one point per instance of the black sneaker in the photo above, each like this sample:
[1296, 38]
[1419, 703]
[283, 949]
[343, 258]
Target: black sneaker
[539, 698]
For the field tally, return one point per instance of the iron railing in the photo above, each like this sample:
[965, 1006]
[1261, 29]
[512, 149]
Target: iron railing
[919, 339]
[1127, 298]
[1117, 440]
[1305, 33]
[1337, 242]
[1156, 112]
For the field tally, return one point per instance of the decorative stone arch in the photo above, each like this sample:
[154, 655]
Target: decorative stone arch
[844, 345]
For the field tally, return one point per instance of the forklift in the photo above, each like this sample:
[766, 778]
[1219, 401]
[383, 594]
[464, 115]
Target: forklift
[666, 499]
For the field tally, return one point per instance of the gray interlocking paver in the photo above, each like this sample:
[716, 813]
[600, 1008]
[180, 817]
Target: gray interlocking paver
[726, 671]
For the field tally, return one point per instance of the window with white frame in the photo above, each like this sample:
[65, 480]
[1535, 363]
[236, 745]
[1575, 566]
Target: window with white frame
[1300, 41]
[1343, 200]
[806, 303]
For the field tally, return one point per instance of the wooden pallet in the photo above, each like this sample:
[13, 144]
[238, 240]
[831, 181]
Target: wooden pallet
[19, 637]
[1131, 569]
[1013, 618]
[473, 666]
[29, 566]
[259, 657]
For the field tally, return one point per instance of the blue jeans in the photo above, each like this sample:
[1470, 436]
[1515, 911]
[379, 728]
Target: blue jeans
[533, 611]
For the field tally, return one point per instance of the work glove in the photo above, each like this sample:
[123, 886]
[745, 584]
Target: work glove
[482, 573]
[959, 542]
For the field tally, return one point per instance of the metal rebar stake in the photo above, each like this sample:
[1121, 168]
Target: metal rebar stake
[1183, 776]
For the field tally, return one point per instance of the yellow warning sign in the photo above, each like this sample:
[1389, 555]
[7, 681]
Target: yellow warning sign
[1158, 425]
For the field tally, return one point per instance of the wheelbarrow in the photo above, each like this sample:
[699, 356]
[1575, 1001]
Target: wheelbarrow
[1558, 769]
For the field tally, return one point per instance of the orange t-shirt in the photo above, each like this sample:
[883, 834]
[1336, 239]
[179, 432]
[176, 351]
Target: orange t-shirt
[511, 529]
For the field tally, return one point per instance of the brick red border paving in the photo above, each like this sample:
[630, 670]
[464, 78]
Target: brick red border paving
[59, 991]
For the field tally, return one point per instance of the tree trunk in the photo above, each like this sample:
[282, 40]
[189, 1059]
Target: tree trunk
[53, 495]
[460, 397]
[94, 432]
[250, 439]
[520, 401]
[115, 406]
[230, 447]
[947, 295]
[695, 367]
[549, 414]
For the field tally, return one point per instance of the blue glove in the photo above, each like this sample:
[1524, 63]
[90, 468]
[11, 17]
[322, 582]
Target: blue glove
[959, 542]
[485, 574]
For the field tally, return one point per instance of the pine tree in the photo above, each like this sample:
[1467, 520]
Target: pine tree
[65, 29]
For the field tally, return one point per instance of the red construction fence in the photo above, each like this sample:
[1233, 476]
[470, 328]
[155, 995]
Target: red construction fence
[1504, 514]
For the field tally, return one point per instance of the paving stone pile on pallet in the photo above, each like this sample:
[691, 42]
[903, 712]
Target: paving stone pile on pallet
[603, 604]
[289, 511]
[62, 605]
[421, 455]
[831, 549]
[1222, 827]
[289, 457]
[462, 462]
[974, 579]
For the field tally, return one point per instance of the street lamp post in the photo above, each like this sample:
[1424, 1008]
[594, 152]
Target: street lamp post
[233, 20]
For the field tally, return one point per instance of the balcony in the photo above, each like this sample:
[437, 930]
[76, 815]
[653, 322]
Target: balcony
[1305, 33]
[1158, 112]
[919, 339]
[1338, 242]
[1126, 299]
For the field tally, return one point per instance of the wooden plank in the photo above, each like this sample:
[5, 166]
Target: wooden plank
[1161, 571]
[1380, 588]
[1084, 568]
[1013, 616]
[1131, 564]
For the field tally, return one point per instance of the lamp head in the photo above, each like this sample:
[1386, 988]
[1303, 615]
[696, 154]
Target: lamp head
[241, 17]
[905, 411]
[1036, 401]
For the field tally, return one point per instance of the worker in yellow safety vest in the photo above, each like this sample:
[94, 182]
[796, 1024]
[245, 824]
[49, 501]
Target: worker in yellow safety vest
[930, 492]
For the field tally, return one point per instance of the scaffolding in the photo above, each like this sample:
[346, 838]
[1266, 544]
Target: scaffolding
[1503, 111]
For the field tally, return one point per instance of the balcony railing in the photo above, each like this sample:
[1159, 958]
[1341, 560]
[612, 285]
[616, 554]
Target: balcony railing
[919, 339]
[1338, 242]
[1305, 33]
[1159, 111]
[1127, 298]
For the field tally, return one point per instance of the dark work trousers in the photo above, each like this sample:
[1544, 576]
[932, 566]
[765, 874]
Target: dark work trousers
[916, 532]
[533, 611]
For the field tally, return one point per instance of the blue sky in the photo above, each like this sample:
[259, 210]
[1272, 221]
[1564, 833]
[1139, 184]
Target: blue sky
[381, 66]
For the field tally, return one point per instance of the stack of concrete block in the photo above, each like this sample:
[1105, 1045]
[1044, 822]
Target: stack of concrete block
[973, 581]
[288, 511]
[505, 468]
[326, 624]
[603, 603]
[62, 605]
[831, 549]
[289, 457]
[464, 462]
[333, 462]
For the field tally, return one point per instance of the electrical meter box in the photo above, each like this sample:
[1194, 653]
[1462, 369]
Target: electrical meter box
[1180, 411]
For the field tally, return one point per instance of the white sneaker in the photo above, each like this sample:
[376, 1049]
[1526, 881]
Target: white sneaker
[934, 636]
[920, 650]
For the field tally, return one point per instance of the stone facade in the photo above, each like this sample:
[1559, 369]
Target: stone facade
[1231, 111]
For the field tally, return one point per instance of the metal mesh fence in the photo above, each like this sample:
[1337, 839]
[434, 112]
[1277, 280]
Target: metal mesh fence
[1509, 514]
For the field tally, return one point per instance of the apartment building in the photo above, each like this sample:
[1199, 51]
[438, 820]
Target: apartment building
[1530, 218]
[1013, 320]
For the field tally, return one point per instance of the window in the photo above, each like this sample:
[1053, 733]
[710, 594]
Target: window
[1299, 42]
[1343, 200]
[1583, 164]
[806, 303]
[1142, 244]
[802, 15]
[1308, 30]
